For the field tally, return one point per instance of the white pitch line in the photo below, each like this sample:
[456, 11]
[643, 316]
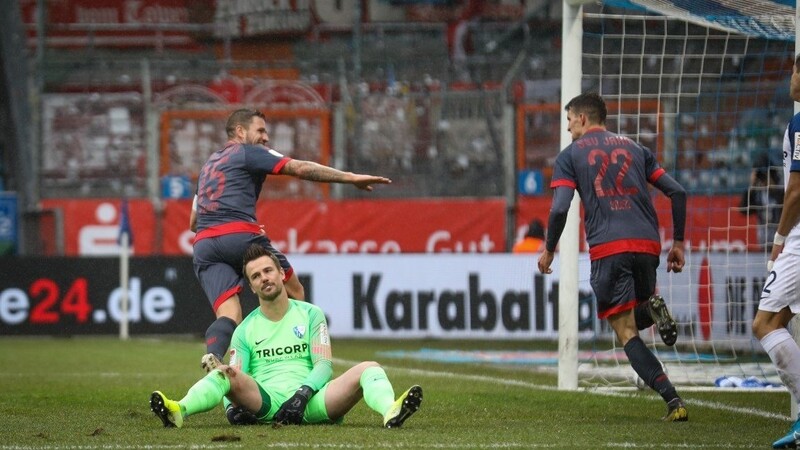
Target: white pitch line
[346, 445]
[394, 445]
[400, 445]
[672, 445]
[544, 387]
[119, 447]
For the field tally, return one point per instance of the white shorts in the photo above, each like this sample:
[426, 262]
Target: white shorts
[782, 287]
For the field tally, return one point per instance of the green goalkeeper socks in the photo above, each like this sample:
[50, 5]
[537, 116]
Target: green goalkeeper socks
[378, 391]
[206, 393]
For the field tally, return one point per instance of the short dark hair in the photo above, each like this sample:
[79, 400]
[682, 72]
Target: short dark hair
[254, 252]
[590, 104]
[241, 117]
[535, 229]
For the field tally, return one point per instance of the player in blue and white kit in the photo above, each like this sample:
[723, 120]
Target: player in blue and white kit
[280, 366]
[780, 298]
[611, 174]
[224, 217]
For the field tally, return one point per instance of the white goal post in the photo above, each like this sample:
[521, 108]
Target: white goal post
[571, 57]
[706, 93]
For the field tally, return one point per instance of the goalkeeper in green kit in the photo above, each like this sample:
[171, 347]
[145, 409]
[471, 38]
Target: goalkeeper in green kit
[280, 367]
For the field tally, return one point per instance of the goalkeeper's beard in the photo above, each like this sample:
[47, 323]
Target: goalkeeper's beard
[271, 296]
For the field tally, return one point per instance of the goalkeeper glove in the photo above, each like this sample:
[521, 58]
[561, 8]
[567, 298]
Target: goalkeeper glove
[291, 411]
[238, 415]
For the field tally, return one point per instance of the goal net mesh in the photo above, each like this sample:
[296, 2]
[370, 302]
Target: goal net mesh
[707, 91]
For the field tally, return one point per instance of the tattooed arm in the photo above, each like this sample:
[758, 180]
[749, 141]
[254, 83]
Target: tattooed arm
[311, 171]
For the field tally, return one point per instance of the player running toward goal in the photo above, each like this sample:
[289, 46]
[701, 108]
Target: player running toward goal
[280, 365]
[779, 301]
[611, 174]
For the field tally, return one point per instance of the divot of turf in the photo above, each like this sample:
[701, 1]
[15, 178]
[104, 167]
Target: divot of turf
[226, 438]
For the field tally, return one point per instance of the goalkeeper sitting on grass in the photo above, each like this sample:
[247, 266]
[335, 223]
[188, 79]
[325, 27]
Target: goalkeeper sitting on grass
[280, 366]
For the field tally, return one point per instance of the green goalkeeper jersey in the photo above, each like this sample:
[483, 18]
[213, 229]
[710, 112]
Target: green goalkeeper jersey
[286, 354]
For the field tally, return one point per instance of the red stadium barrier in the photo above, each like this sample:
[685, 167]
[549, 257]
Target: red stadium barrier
[372, 226]
[303, 226]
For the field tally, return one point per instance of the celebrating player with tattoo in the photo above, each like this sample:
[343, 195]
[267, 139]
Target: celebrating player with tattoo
[224, 217]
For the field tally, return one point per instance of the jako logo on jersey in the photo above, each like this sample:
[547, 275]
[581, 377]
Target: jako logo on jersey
[796, 154]
[324, 339]
[299, 331]
[282, 351]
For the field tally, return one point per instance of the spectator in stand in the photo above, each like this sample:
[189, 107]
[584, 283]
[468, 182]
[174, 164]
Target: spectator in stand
[533, 242]
[764, 197]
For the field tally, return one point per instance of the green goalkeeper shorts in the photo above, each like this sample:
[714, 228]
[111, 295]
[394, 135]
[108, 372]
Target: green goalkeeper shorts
[316, 412]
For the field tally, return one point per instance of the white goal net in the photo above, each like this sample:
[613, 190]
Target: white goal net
[708, 93]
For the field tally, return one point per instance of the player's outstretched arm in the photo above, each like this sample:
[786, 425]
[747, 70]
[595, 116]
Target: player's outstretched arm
[311, 171]
[365, 182]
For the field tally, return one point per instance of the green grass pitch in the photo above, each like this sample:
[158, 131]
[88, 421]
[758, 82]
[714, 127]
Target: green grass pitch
[92, 392]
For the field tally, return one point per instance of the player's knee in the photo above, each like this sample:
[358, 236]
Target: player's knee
[231, 309]
[294, 288]
[625, 335]
[232, 372]
[756, 328]
[765, 322]
[367, 364]
[298, 291]
[761, 326]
